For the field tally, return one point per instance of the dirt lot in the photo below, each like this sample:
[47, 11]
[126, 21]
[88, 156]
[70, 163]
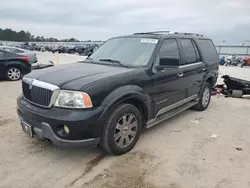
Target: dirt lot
[178, 153]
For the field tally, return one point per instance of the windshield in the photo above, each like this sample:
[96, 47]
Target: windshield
[128, 51]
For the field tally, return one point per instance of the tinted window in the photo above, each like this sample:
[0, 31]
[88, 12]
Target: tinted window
[209, 51]
[169, 53]
[198, 57]
[189, 51]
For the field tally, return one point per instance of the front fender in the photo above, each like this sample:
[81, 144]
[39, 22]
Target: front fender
[124, 93]
[25, 67]
[121, 92]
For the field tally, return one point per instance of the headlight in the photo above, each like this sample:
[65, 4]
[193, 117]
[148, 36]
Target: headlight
[73, 99]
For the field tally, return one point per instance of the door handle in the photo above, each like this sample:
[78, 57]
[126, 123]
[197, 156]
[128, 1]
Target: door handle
[180, 74]
[203, 69]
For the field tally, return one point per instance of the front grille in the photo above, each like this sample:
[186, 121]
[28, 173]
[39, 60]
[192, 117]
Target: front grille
[37, 95]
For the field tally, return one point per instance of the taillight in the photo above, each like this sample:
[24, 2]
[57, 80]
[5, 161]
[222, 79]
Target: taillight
[27, 59]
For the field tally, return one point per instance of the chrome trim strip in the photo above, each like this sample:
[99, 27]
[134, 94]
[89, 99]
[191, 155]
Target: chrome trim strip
[167, 116]
[28, 80]
[189, 65]
[175, 105]
[41, 84]
[165, 100]
[171, 107]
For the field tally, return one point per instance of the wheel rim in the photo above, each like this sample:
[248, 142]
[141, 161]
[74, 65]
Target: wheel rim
[14, 74]
[206, 96]
[126, 130]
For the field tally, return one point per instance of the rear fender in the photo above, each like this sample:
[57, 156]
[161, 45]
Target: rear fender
[213, 76]
[25, 67]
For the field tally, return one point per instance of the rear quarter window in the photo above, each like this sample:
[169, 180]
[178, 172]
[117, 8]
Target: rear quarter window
[208, 50]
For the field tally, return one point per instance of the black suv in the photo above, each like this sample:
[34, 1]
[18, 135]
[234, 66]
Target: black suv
[130, 83]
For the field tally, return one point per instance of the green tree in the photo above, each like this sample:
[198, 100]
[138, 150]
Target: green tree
[26, 36]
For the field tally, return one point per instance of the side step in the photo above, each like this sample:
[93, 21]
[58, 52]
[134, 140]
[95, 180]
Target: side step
[170, 114]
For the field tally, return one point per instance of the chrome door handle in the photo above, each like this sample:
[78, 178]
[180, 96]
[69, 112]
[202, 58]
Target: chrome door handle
[203, 69]
[180, 74]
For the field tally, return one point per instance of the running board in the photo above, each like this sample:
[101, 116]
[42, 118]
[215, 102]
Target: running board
[170, 114]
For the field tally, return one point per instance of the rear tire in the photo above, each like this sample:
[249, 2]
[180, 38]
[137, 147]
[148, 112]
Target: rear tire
[13, 74]
[122, 130]
[204, 97]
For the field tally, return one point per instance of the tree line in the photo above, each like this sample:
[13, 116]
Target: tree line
[26, 36]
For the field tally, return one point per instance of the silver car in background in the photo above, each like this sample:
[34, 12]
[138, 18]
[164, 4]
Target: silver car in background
[32, 56]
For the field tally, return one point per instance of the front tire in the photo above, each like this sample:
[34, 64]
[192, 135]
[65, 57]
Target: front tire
[204, 97]
[122, 130]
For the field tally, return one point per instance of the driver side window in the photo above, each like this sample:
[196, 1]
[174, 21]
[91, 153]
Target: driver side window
[169, 54]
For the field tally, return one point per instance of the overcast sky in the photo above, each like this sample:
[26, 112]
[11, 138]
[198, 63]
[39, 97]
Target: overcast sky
[227, 20]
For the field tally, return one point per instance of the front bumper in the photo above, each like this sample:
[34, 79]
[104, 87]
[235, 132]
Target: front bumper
[84, 126]
[46, 132]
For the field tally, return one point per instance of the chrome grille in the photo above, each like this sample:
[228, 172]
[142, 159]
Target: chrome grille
[39, 93]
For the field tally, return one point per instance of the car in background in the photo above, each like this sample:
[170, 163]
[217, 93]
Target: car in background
[32, 56]
[13, 66]
[246, 62]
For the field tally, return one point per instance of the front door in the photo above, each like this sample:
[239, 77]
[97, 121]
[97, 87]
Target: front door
[167, 88]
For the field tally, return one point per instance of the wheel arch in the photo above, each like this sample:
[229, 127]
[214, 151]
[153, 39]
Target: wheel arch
[211, 79]
[130, 95]
[12, 64]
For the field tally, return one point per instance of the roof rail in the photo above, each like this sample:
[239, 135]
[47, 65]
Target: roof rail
[153, 32]
[167, 33]
[194, 34]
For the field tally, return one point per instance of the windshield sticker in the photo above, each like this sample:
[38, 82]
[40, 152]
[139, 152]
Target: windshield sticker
[154, 41]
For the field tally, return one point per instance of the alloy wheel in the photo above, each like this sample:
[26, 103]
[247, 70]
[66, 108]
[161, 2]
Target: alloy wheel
[205, 96]
[126, 130]
[14, 74]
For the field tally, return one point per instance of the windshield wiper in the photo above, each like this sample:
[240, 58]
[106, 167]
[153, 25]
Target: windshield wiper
[114, 62]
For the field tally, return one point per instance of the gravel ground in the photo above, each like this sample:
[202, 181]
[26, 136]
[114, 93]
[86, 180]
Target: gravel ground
[178, 153]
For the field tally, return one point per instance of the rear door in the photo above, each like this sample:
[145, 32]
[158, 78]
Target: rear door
[192, 67]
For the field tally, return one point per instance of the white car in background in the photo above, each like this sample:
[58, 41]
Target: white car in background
[32, 56]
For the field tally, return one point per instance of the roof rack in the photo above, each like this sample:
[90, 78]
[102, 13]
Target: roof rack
[167, 33]
[153, 33]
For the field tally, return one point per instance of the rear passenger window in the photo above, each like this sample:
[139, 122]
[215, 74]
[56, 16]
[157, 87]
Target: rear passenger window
[209, 51]
[189, 51]
[198, 57]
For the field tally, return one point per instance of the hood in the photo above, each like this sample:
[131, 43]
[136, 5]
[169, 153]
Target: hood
[74, 76]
